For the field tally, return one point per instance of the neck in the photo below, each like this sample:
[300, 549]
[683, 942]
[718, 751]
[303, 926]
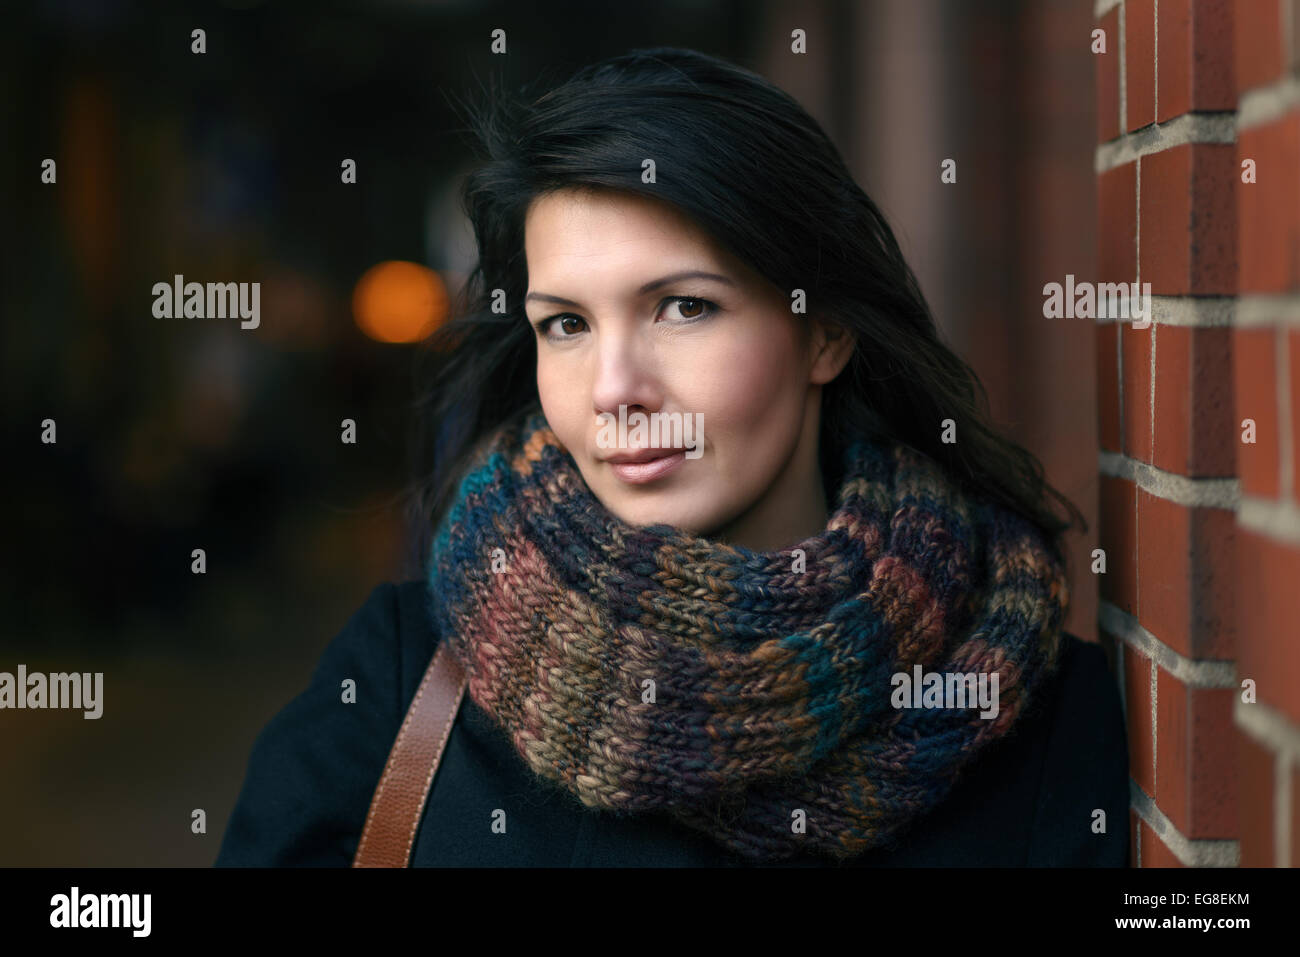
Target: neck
[759, 533]
[794, 508]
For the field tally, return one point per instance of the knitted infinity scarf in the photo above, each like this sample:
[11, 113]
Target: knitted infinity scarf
[750, 695]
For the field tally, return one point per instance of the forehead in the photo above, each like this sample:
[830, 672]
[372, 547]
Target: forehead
[562, 225]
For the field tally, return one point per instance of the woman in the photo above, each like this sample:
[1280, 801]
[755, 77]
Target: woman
[719, 533]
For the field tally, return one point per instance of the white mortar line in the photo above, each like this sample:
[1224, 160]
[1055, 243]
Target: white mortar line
[1272, 730]
[1218, 127]
[1205, 311]
[1119, 375]
[1192, 853]
[1171, 486]
[1266, 104]
[1259, 310]
[1151, 405]
[1267, 726]
[1282, 798]
[1199, 311]
[1192, 672]
[1155, 719]
[1123, 76]
[1155, 49]
[1278, 521]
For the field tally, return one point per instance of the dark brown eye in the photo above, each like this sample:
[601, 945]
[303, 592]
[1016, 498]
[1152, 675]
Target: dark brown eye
[687, 313]
[568, 329]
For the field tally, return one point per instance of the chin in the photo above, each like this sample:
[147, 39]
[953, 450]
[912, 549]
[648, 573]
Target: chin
[663, 512]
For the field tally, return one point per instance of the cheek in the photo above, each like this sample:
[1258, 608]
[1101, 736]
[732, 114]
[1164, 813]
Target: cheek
[564, 398]
[751, 381]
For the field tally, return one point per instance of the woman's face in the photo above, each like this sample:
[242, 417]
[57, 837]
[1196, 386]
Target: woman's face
[717, 365]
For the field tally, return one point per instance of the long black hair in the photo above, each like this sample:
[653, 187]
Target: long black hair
[745, 161]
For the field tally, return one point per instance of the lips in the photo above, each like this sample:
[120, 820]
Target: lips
[647, 465]
[643, 455]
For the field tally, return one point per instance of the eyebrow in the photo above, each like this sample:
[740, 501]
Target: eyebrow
[651, 286]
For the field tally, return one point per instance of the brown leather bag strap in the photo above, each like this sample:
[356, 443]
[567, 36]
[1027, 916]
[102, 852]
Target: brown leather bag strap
[399, 799]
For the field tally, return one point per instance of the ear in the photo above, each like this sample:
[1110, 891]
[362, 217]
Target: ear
[832, 347]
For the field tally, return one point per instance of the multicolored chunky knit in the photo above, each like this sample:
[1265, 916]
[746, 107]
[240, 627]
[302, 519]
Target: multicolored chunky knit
[771, 676]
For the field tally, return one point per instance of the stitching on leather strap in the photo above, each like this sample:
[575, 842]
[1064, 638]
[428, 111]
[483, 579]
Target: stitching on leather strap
[391, 764]
[398, 756]
[448, 721]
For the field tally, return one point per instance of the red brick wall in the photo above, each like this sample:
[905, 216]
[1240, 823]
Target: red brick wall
[1201, 529]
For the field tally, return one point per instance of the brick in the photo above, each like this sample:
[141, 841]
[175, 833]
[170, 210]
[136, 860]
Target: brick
[1106, 75]
[1255, 820]
[1293, 340]
[1117, 224]
[1185, 576]
[1108, 385]
[1140, 62]
[1195, 765]
[1255, 384]
[1268, 610]
[1188, 216]
[1154, 851]
[1194, 432]
[1196, 63]
[1135, 371]
[1268, 210]
[1257, 42]
[1117, 535]
[1137, 708]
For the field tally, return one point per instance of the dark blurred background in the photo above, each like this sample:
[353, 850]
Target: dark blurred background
[176, 434]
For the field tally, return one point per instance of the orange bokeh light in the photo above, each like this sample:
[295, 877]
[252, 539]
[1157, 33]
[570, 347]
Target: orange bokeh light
[399, 301]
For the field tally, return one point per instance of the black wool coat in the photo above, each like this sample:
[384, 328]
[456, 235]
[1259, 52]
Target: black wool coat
[1029, 799]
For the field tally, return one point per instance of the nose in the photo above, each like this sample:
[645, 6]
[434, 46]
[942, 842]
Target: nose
[625, 374]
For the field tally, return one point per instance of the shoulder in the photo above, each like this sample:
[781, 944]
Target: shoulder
[1081, 809]
[312, 769]
[415, 635]
[1085, 703]
[387, 643]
